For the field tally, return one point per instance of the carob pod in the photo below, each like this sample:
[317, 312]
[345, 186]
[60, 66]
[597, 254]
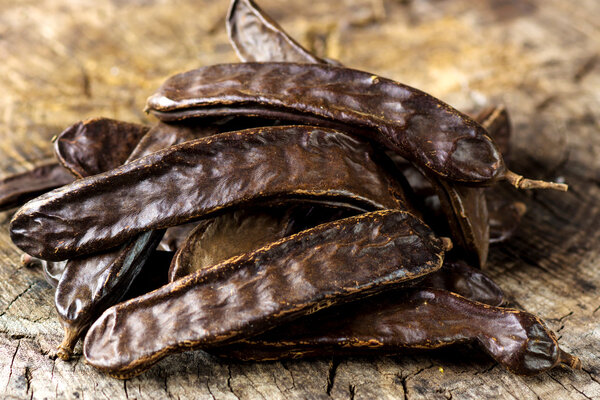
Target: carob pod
[235, 233]
[201, 177]
[459, 277]
[412, 319]
[257, 37]
[504, 214]
[89, 285]
[97, 145]
[241, 231]
[330, 264]
[19, 188]
[408, 121]
[92, 284]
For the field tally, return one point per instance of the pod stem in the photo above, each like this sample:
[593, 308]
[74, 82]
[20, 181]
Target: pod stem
[523, 183]
[568, 360]
[65, 349]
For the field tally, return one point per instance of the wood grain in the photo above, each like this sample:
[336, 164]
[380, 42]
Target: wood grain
[63, 61]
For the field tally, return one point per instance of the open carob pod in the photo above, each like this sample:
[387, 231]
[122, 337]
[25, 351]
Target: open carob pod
[202, 177]
[330, 264]
[398, 321]
[235, 233]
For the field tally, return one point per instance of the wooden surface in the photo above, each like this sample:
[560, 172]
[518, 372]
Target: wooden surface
[64, 60]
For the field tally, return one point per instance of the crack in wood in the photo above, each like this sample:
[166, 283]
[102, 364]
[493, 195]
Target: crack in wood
[11, 365]
[17, 298]
[229, 381]
[333, 366]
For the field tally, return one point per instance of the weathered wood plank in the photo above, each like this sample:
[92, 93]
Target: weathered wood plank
[64, 61]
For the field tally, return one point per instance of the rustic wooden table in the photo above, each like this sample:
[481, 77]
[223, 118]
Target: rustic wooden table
[63, 60]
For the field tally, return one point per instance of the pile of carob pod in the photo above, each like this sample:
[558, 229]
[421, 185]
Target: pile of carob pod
[282, 207]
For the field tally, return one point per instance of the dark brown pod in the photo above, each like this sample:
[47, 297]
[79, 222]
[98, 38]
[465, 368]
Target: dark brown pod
[497, 122]
[316, 268]
[94, 283]
[466, 208]
[412, 123]
[19, 188]
[257, 37]
[90, 285]
[406, 120]
[459, 277]
[241, 231]
[194, 179]
[505, 217]
[412, 319]
[96, 145]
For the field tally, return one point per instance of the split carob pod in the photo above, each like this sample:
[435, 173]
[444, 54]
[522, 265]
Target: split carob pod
[235, 233]
[241, 231]
[97, 145]
[198, 178]
[412, 319]
[412, 123]
[91, 284]
[330, 264]
[19, 188]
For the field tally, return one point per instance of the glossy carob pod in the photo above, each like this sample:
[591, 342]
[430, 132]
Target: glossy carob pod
[459, 277]
[93, 283]
[97, 145]
[241, 231]
[257, 37]
[198, 178]
[330, 264]
[412, 319]
[235, 233]
[17, 189]
[408, 121]
[89, 285]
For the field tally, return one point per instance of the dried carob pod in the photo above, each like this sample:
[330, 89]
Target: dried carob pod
[97, 145]
[412, 319]
[19, 188]
[316, 268]
[89, 285]
[408, 121]
[197, 178]
[235, 233]
[257, 37]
